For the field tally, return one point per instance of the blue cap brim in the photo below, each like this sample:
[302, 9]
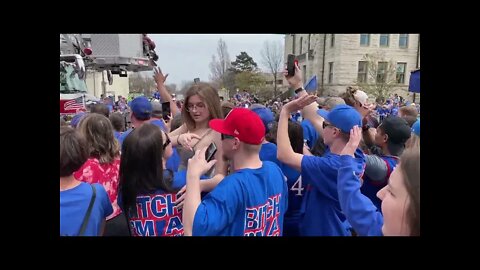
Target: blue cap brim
[323, 113]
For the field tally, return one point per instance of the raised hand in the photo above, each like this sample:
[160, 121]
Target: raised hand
[299, 103]
[158, 75]
[353, 142]
[296, 80]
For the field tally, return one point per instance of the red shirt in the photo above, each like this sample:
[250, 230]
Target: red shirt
[106, 174]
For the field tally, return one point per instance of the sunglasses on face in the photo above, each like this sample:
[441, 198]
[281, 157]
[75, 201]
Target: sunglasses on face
[225, 136]
[325, 125]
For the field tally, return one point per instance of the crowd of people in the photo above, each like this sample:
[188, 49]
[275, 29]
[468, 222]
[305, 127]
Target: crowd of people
[305, 166]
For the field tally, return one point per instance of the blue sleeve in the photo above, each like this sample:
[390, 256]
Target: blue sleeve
[102, 197]
[122, 137]
[174, 161]
[218, 209]
[309, 133]
[316, 171]
[359, 210]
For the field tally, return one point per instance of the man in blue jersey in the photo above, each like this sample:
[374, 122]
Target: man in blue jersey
[387, 145]
[252, 200]
[141, 112]
[322, 215]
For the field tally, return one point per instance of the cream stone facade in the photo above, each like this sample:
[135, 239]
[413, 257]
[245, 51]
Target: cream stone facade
[318, 53]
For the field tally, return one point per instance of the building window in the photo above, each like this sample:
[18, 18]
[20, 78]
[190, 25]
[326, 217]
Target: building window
[301, 44]
[332, 40]
[384, 40]
[382, 72]
[401, 72]
[403, 41]
[330, 72]
[364, 39]
[279, 81]
[362, 71]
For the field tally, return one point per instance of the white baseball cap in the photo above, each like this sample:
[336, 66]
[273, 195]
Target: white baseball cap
[361, 97]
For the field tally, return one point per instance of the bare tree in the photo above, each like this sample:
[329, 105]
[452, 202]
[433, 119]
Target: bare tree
[172, 87]
[184, 86]
[378, 77]
[141, 84]
[272, 58]
[219, 68]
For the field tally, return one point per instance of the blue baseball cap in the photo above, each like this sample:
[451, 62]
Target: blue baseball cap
[343, 117]
[76, 119]
[265, 114]
[141, 108]
[320, 111]
[416, 128]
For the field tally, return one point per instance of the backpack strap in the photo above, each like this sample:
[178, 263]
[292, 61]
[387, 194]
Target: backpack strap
[89, 210]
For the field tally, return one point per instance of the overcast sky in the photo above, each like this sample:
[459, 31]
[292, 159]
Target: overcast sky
[186, 57]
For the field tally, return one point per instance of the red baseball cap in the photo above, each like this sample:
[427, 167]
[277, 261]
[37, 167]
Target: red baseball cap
[241, 123]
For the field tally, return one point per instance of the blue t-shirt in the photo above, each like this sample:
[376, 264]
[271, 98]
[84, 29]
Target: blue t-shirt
[124, 135]
[248, 202]
[159, 123]
[156, 211]
[73, 207]
[322, 215]
[174, 160]
[117, 134]
[296, 191]
[268, 152]
[361, 213]
[310, 135]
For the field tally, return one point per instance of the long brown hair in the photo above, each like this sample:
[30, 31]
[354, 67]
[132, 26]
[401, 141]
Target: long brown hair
[141, 168]
[410, 169]
[209, 96]
[98, 131]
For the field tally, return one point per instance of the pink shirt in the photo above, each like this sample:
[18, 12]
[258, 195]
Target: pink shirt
[106, 174]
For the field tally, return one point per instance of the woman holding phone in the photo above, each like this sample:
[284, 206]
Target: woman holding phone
[202, 104]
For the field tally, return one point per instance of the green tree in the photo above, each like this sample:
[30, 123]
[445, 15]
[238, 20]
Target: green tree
[378, 76]
[250, 81]
[244, 63]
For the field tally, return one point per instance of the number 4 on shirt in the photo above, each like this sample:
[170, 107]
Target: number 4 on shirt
[298, 187]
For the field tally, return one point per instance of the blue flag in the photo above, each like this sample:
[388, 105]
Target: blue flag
[311, 85]
[414, 85]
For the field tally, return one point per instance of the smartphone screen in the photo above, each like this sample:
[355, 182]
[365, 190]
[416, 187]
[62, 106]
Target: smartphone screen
[165, 110]
[291, 64]
[210, 153]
